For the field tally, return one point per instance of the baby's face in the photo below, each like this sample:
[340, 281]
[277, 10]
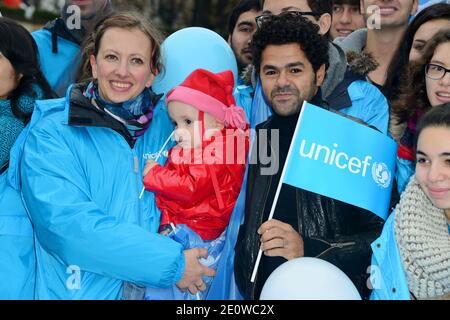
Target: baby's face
[187, 127]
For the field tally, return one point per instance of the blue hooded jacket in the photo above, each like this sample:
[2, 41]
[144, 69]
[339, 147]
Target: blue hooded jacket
[387, 275]
[59, 55]
[81, 185]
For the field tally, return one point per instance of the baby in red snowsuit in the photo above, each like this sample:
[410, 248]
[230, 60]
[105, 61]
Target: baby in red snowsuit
[201, 180]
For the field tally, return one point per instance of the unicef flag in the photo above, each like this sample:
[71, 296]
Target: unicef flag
[341, 159]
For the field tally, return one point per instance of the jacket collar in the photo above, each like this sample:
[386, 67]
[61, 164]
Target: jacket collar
[58, 28]
[340, 98]
[83, 113]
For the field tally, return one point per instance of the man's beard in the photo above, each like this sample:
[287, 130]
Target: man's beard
[295, 108]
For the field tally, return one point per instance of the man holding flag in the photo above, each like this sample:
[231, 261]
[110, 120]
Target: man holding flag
[291, 58]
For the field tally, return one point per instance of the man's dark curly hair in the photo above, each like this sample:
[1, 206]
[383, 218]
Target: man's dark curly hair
[285, 29]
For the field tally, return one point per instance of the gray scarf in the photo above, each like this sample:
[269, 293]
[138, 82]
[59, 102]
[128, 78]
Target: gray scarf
[424, 243]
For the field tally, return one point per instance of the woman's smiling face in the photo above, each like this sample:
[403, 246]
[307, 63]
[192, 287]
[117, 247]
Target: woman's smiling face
[122, 66]
[433, 165]
[438, 90]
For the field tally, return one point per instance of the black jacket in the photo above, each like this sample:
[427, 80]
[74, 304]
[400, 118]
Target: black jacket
[332, 230]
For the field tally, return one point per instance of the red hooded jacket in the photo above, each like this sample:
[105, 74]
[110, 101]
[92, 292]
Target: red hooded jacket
[190, 191]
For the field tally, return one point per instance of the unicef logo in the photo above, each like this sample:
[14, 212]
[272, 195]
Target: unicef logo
[381, 174]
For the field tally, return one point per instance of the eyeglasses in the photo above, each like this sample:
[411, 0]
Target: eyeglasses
[260, 20]
[435, 72]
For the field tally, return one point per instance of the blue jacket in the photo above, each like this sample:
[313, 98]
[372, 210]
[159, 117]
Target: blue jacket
[387, 276]
[81, 185]
[404, 170]
[17, 258]
[59, 56]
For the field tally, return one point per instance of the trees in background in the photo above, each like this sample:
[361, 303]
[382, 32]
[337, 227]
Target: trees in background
[172, 15]
[169, 15]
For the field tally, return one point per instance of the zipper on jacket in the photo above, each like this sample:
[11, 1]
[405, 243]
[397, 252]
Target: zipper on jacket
[136, 164]
[136, 172]
[339, 245]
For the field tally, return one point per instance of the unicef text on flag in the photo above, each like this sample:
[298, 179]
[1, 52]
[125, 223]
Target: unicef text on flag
[341, 159]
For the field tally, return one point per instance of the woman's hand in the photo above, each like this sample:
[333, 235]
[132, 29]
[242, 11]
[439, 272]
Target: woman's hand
[194, 270]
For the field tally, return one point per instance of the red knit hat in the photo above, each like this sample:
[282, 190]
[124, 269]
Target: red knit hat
[211, 93]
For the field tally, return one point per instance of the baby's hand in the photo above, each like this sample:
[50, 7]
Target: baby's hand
[149, 165]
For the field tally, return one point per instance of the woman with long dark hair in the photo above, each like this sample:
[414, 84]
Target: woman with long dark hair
[21, 84]
[426, 84]
[425, 25]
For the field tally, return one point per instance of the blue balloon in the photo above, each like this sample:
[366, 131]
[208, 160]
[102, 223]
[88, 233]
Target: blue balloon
[189, 49]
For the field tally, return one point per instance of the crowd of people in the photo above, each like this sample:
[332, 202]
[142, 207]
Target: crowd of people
[85, 215]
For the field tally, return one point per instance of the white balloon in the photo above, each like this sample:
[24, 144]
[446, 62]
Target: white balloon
[308, 279]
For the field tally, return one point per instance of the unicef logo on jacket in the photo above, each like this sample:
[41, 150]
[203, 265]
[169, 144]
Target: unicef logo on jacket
[381, 174]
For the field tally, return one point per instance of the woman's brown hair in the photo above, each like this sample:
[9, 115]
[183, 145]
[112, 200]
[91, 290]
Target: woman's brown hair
[413, 100]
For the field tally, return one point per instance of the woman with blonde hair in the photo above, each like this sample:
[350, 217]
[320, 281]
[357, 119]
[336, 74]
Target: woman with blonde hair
[82, 175]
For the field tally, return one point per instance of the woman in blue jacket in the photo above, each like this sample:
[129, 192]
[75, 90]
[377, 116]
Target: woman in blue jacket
[21, 83]
[411, 259]
[81, 173]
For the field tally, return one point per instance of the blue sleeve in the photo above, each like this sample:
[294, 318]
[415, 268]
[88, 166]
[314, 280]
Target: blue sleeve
[403, 173]
[369, 105]
[254, 103]
[387, 276]
[73, 229]
[244, 96]
[17, 258]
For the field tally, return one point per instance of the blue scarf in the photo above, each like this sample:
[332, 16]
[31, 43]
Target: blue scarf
[10, 126]
[136, 114]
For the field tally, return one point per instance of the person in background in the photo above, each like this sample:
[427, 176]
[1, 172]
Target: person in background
[241, 27]
[59, 41]
[344, 88]
[386, 24]
[426, 84]
[21, 84]
[411, 259]
[346, 18]
[424, 26]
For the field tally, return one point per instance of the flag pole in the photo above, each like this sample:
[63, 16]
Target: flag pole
[277, 194]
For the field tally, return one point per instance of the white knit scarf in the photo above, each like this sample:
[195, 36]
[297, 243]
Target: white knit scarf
[424, 243]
